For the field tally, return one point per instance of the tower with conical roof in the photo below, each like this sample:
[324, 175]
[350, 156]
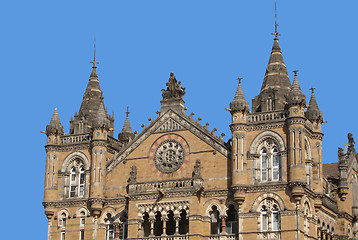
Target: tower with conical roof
[91, 104]
[276, 85]
[239, 109]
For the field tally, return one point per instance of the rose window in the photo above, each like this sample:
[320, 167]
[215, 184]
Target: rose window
[169, 156]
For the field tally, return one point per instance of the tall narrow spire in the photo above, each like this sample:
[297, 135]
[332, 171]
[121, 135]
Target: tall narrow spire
[94, 66]
[92, 106]
[126, 133]
[127, 126]
[296, 97]
[276, 84]
[313, 113]
[239, 103]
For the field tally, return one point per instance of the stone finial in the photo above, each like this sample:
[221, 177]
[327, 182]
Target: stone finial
[55, 126]
[239, 103]
[295, 96]
[313, 113]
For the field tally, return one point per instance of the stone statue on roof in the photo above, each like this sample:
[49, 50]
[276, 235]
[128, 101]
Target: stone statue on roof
[174, 89]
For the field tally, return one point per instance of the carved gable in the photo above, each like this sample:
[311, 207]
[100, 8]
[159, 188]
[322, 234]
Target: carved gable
[170, 122]
[169, 126]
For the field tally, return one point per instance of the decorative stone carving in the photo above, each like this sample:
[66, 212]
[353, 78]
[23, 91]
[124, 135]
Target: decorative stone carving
[133, 175]
[197, 169]
[169, 126]
[169, 156]
[174, 89]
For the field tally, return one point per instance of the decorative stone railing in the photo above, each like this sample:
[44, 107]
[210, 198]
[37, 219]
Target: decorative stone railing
[179, 237]
[185, 183]
[223, 237]
[265, 117]
[79, 138]
[114, 143]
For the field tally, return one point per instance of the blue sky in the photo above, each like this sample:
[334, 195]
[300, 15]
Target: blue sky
[47, 46]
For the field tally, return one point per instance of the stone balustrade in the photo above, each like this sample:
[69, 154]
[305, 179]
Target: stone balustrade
[165, 185]
[79, 138]
[179, 237]
[269, 116]
[223, 237]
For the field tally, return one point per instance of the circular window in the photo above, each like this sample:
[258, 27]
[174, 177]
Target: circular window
[169, 156]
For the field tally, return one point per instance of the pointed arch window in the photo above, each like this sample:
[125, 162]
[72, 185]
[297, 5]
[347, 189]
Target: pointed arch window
[270, 215]
[81, 188]
[215, 221]
[269, 162]
[77, 180]
[264, 165]
[73, 181]
[275, 165]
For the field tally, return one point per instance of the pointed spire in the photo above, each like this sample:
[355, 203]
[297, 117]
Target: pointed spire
[276, 84]
[100, 119]
[94, 66]
[296, 97]
[239, 103]
[239, 95]
[313, 113]
[127, 126]
[55, 126]
[126, 133]
[55, 120]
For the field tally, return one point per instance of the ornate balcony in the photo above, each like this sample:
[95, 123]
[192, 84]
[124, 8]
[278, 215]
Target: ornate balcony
[223, 237]
[78, 138]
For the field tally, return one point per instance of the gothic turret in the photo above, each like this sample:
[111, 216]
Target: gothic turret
[239, 103]
[276, 85]
[55, 127]
[91, 104]
[173, 96]
[313, 113]
[296, 97]
[126, 135]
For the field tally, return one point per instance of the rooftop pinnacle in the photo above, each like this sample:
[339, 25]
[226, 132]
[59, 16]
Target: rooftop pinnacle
[239, 103]
[313, 113]
[126, 135]
[55, 126]
[296, 97]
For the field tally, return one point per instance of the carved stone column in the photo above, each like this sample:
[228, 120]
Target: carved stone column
[223, 224]
[176, 218]
[151, 227]
[116, 230]
[140, 229]
[49, 226]
[164, 219]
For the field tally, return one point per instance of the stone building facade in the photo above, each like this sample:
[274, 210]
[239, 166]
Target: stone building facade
[178, 180]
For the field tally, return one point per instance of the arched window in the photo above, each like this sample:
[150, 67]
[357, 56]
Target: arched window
[269, 162]
[275, 165]
[110, 228]
[215, 221]
[231, 222]
[158, 224]
[73, 182]
[81, 189]
[123, 226]
[146, 224]
[170, 223]
[82, 225]
[270, 215]
[183, 223]
[306, 212]
[77, 181]
[264, 165]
